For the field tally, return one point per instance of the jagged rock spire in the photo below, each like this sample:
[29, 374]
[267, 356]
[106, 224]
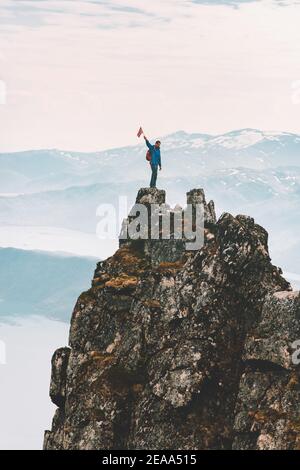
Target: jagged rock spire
[197, 196]
[172, 249]
[181, 354]
[151, 196]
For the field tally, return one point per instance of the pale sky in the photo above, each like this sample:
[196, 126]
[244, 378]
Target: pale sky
[83, 74]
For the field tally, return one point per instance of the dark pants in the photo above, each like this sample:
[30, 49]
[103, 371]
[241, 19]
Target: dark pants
[153, 176]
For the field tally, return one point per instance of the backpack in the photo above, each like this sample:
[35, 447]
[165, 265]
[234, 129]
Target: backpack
[148, 156]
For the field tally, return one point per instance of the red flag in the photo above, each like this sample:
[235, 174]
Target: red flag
[140, 132]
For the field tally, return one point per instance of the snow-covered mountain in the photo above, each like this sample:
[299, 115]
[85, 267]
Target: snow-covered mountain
[182, 154]
[74, 208]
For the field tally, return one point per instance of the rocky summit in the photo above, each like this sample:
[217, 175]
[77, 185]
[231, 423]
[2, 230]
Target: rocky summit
[179, 349]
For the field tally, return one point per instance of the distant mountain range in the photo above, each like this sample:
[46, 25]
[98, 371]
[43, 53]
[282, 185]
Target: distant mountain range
[182, 154]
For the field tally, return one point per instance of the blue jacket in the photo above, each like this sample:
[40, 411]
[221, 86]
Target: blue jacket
[155, 154]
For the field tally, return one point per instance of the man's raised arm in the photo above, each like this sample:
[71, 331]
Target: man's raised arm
[148, 143]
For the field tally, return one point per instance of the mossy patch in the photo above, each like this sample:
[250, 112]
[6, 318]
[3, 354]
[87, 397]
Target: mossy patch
[293, 382]
[168, 266]
[122, 282]
[152, 303]
[129, 260]
[265, 416]
[137, 388]
[105, 359]
[97, 281]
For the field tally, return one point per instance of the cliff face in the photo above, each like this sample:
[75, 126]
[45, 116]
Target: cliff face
[182, 350]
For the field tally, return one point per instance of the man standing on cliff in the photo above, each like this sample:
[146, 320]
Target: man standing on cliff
[155, 161]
